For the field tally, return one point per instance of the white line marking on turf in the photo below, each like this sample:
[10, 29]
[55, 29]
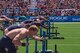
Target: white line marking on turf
[72, 37]
[69, 44]
[66, 22]
[60, 44]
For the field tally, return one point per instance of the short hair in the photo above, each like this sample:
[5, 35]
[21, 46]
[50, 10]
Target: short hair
[33, 27]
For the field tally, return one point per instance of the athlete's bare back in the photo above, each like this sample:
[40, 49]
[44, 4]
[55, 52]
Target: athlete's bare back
[15, 32]
[17, 35]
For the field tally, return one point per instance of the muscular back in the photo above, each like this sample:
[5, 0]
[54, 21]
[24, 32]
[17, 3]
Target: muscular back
[21, 32]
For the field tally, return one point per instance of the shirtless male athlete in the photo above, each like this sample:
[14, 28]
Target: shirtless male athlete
[13, 38]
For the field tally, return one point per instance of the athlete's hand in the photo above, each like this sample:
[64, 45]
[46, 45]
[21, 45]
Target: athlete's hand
[25, 44]
[43, 38]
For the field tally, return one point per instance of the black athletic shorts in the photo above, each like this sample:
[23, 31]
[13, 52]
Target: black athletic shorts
[6, 45]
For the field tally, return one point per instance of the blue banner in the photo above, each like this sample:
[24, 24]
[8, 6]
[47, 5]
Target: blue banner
[65, 18]
[59, 18]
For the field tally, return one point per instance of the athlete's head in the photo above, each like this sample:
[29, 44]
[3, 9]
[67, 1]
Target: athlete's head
[33, 29]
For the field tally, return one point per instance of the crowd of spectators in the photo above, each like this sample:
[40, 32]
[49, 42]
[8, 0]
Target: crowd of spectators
[42, 7]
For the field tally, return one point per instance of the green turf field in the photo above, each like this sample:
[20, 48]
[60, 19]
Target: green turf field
[71, 43]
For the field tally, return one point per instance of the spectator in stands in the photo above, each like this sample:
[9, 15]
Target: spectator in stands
[21, 6]
[78, 5]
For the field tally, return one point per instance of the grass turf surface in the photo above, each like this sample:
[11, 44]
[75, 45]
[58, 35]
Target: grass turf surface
[71, 43]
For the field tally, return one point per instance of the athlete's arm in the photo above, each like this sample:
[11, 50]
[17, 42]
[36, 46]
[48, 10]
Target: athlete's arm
[38, 38]
[8, 18]
[2, 19]
[17, 40]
